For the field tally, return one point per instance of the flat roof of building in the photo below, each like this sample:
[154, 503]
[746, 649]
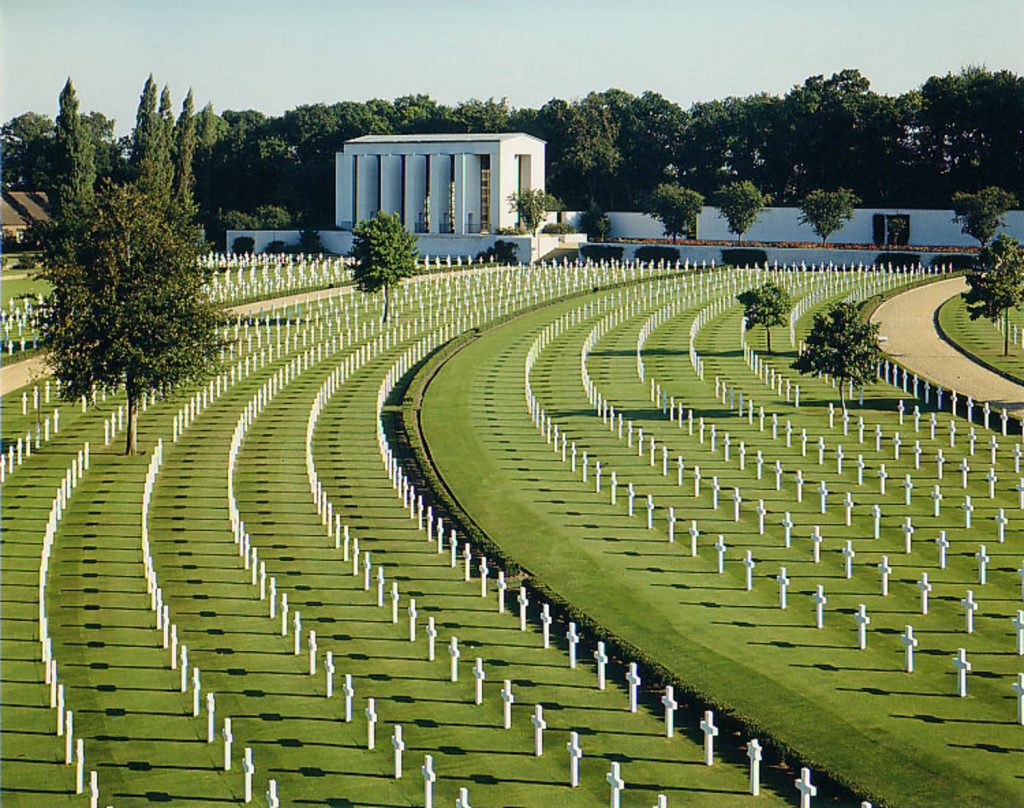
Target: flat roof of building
[442, 138]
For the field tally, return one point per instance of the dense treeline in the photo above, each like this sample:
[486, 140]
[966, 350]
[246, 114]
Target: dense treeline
[959, 132]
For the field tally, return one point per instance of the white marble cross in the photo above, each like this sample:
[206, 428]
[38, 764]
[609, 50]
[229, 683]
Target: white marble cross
[803, 785]
[754, 754]
[524, 602]
[943, 544]
[848, 555]
[633, 681]
[574, 640]
[480, 675]
[398, 744]
[614, 779]
[970, 607]
[539, 725]
[963, 667]
[545, 619]
[1018, 689]
[249, 770]
[575, 753]
[671, 705]
[1018, 629]
[602, 660]
[863, 621]
[349, 692]
[749, 564]
[429, 778]
[709, 729]
[720, 548]
[816, 539]
[463, 799]
[454, 653]
[371, 722]
[819, 606]
[886, 571]
[507, 700]
[783, 586]
[431, 639]
[413, 614]
[909, 643]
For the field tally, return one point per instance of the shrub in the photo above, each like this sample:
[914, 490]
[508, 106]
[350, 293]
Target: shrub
[243, 244]
[898, 259]
[667, 254]
[502, 252]
[744, 257]
[955, 261]
[601, 252]
[557, 229]
[276, 246]
[595, 223]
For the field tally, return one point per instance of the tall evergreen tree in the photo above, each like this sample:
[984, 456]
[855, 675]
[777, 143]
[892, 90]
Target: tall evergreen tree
[184, 152]
[145, 125]
[76, 169]
[151, 143]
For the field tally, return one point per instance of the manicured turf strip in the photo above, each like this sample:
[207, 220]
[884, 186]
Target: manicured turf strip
[854, 711]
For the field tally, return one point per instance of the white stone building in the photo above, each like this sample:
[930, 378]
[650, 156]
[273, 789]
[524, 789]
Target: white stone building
[440, 185]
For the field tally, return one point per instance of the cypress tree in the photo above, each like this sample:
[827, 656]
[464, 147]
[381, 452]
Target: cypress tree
[76, 168]
[184, 152]
[151, 143]
[145, 125]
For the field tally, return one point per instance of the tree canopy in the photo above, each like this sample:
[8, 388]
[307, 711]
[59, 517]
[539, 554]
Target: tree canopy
[740, 203]
[75, 169]
[768, 305]
[531, 206]
[128, 305]
[997, 284]
[981, 214]
[828, 211]
[958, 132]
[385, 254]
[843, 345]
[677, 208]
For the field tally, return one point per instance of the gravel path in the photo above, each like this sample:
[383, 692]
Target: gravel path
[908, 322]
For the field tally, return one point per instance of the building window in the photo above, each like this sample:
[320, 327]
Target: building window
[451, 195]
[485, 193]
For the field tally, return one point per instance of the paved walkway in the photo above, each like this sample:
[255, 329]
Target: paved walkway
[908, 321]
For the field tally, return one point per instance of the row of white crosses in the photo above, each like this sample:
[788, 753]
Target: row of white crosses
[632, 677]
[547, 427]
[74, 748]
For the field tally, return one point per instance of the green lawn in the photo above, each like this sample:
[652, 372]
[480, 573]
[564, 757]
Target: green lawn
[138, 728]
[905, 738]
[981, 339]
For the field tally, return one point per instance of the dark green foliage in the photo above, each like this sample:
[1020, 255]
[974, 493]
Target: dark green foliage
[657, 253]
[501, 252]
[75, 171]
[184, 152]
[243, 244]
[828, 211]
[740, 203]
[129, 305]
[151, 143]
[595, 223]
[768, 305]
[531, 206]
[954, 261]
[275, 247]
[385, 254]
[309, 241]
[677, 208]
[981, 214]
[740, 257]
[557, 228]
[997, 285]
[28, 142]
[843, 345]
[897, 259]
[601, 252]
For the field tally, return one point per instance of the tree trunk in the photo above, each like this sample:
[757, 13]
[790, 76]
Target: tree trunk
[1006, 331]
[768, 331]
[131, 435]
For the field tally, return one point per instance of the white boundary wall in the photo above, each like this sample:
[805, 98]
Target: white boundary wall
[928, 228]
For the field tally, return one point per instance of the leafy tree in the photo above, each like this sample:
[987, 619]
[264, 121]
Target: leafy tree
[151, 143]
[677, 208]
[184, 152]
[592, 152]
[981, 214]
[76, 171]
[768, 305]
[828, 211]
[841, 344]
[531, 206]
[129, 304]
[309, 241]
[997, 284]
[108, 151]
[28, 144]
[740, 203]
[595, 223]
[385, 254]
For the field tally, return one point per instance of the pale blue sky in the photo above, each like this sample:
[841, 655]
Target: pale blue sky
[275, 55]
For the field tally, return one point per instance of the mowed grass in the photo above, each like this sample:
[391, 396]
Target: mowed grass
[980, 338]
[139, 730]
[904, 737]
